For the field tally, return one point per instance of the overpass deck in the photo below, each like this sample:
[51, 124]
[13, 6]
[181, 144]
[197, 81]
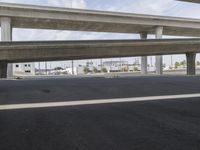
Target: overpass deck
[193, 1]
[43, 17]
[88, 49]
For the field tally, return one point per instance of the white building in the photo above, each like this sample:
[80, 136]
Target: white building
[76, 70]
[115, 66]
[23, 69]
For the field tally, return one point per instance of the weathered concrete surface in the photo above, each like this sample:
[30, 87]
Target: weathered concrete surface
[191, 63]
[193, 1]
[159, 59]
[69, 50]
[6, 29]
[42, 17]
[3, 69]
[144, 60]
[6, 35]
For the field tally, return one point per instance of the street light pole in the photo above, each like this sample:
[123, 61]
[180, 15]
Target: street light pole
[101, 64]
[46, 67]
[171, 60]
[72, 67]
[39, 68]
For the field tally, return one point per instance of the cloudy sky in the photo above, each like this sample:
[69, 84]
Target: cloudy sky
[154, 7]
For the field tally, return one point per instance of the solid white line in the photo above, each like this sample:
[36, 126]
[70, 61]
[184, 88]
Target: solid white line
[92, 102]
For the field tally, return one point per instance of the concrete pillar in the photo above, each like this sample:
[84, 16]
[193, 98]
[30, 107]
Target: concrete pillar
[143, 58]
[191, 68]
[6, 35]
[3, 69]
[159, 59]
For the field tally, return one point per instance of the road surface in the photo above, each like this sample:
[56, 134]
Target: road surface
[171, 123]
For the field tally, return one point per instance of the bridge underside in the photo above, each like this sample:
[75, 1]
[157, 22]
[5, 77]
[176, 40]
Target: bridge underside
[43, 17]
[33, 51]
[193, 1]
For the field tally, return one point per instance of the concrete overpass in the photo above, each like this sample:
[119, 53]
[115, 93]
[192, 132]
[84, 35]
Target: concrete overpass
[11, 52]
[42, 17]
[193, 1]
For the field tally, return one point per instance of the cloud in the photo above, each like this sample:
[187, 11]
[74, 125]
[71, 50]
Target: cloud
[34, 2]
[21, 34]
[12, 1]
[68, 3]
[134, 6]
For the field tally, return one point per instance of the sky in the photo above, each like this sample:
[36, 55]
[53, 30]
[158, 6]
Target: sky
[153, 7]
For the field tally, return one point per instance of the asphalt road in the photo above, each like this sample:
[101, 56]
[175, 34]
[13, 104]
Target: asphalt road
[70, 89]
[145, 125]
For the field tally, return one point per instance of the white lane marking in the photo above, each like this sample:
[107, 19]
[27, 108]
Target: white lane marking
[92, 102]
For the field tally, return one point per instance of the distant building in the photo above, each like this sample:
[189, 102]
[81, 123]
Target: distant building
[76, 70]
[24, 69]
[116, 66]
[134, 67]
[71, 71]
[43, 71]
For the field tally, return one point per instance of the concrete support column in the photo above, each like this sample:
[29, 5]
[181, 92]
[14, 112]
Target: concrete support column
[143, 58]
[191, 64]
[6, 35]
[159, 59]
[3, 69]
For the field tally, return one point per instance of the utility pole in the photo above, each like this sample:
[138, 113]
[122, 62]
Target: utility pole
[72, 60]
[171, 60]
[151, 61]
[101, 64]
[72, 67]
[39, 68]
[120, 61]
[46, 67]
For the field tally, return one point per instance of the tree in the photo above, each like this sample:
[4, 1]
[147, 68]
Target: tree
[177, 64]
[164, 65]
[86, 70]
[95, 70]
[104, 70]
[58, 68]
[135, 68]
[183, 63]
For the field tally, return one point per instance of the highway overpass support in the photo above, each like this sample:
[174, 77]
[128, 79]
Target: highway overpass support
[6, 70]
[3, 69]
[144, 59]
[191, 63]
[159, 59]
